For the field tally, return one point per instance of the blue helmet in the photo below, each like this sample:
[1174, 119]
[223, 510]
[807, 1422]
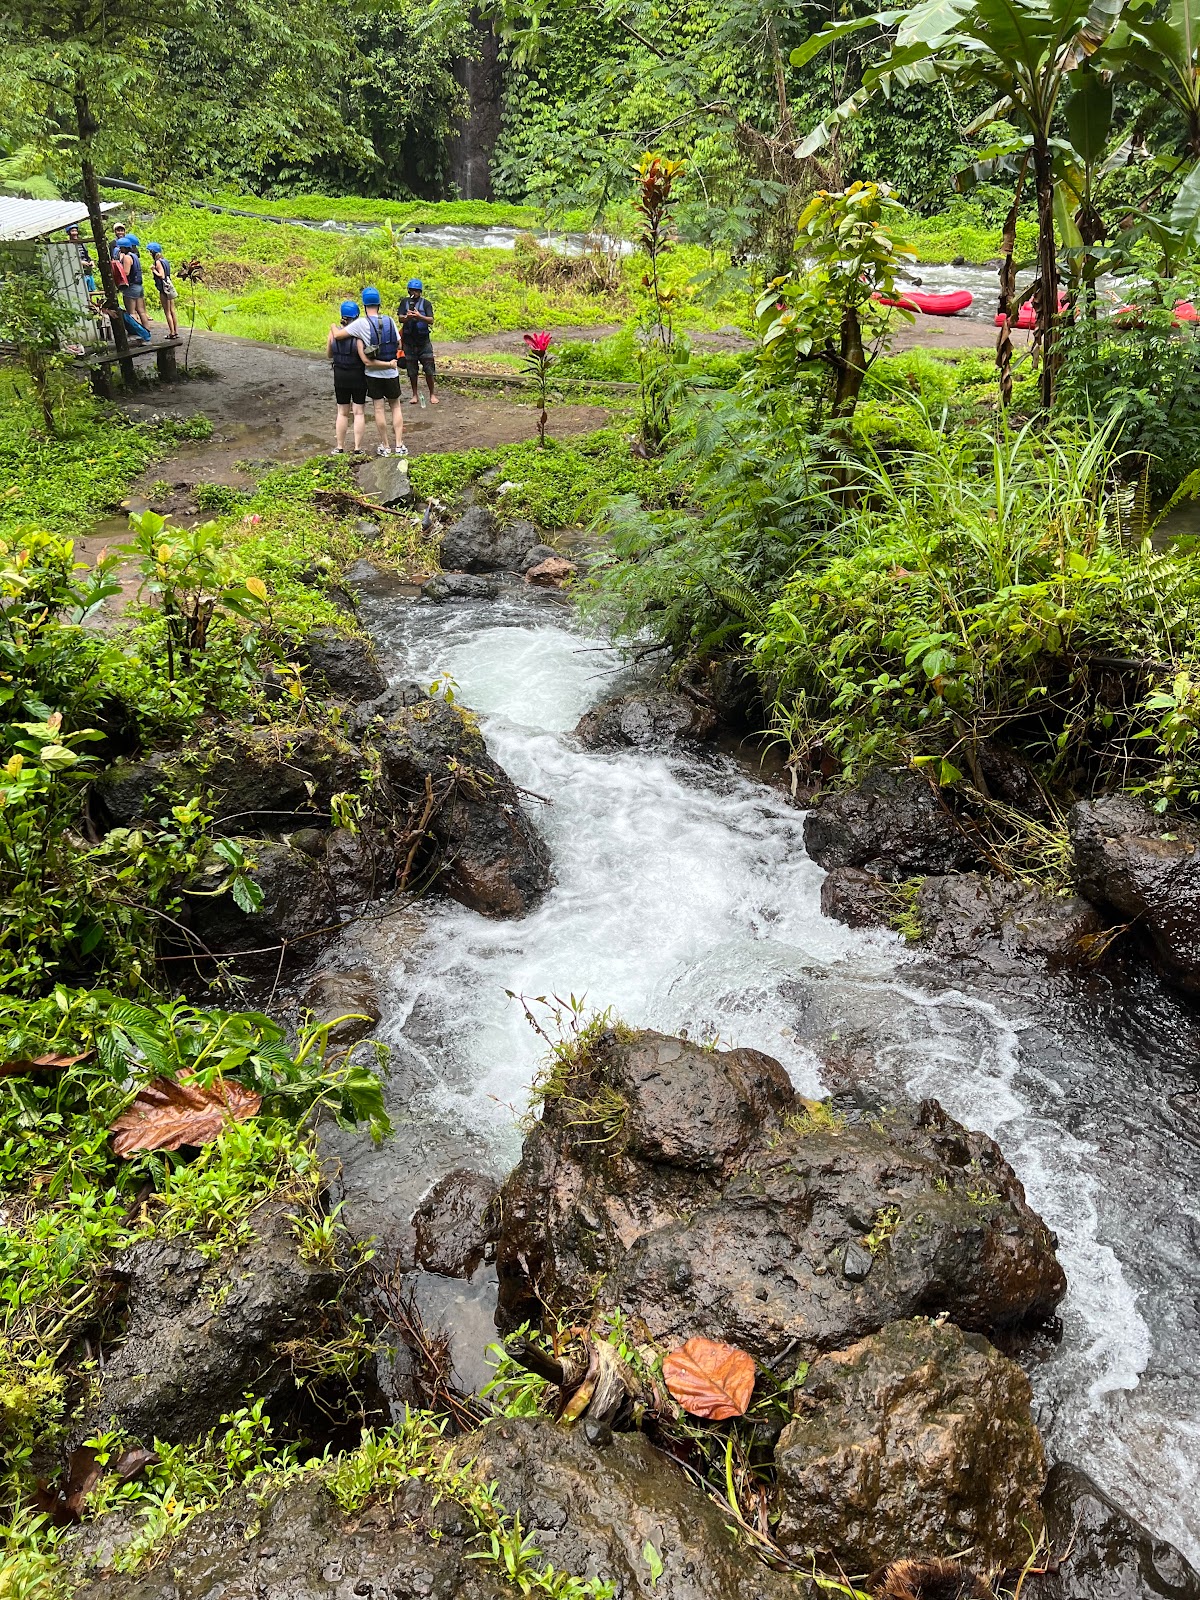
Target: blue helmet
[130, 240]
[349, 308]
[415, 285]
[370, 296]
[154, 249]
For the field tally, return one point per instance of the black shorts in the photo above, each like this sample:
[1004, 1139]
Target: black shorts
[353, 393]
[421, 359]
[382, 388]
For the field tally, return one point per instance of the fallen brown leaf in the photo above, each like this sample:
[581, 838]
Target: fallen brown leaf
[14, 1069]
[710, 1380]
[168, 1113]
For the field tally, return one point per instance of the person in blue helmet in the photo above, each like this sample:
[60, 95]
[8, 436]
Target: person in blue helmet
[161, 269]
[416, 337]
[378, 340]
[349, 379]
[134, 292]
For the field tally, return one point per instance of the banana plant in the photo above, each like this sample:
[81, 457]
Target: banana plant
[1029, 55]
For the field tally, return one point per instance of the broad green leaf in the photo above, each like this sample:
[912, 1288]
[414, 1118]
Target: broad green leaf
[1185, 213]
[931, 22]
[804, 53]
[1089, 117]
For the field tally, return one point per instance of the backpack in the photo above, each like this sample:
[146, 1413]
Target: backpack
[387, 340]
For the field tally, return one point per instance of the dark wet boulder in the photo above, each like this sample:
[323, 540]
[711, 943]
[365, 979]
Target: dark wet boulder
[199, 1335]
[917, 1441]
[894, 823]
[486, 851]
[298, 914]
[253, 779]
[348, 999]
[478, 542]
[343, 665]
[455, 1223]
[372, 714]
[1104, 1554]
[696, 1191]
[369, 579]
[646, 719]
[1147, 870]
[537, 554]
[588, 1513]
[858, 898]
[1000, 923]
[459, 586]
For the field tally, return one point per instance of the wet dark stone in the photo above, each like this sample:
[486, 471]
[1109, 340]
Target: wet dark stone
[892, 822]
[538, 554]
[1147, 870]
[343, 665]
[297, 917]
[1112, 1557]
[352, 996]
[646, 719]
[487, 852]
[199, 1335]
[857, 898]
[917, 1441]
[478, 542]
[969, 914]
[460, 586]
[678, 1183]
[455, 1223]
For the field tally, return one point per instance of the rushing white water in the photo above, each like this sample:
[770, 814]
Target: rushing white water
[684, 899]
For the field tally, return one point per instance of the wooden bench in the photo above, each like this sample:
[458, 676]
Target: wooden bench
[99, 365]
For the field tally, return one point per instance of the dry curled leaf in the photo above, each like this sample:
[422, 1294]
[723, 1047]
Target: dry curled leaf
[710, 1380]
[167, 1114]
[48, 1063]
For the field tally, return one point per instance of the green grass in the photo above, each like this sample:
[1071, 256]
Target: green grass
[961, 230]
[61, 484]
[283, 284]
[407, 213]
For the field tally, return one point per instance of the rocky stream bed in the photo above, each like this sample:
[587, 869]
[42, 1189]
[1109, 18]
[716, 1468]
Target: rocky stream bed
[958, 1183]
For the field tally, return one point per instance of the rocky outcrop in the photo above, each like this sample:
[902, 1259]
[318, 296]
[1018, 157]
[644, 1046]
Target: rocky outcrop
[552, 573]
[893, 823]
[298, 914]
[478, 542]
[915, 1441]
[200, 1335]
[1146, 870]
[1103, 1553]
[693, 1189]
[343, 665]
[858, 898]
[459, 586]
[646, 719]
[590, 1513]
[455, 1223]
[967, 914]
[255, 778]
[486, 851]
[349, 1000]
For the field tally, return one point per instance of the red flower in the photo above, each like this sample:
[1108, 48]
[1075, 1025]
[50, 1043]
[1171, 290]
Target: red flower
[539, 343]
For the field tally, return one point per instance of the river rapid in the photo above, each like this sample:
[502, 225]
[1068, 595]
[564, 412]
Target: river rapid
[684, 899]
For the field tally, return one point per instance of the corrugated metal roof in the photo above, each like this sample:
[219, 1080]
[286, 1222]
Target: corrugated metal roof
[33, 219]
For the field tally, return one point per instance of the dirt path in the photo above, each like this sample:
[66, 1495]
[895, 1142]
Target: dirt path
[268, 404]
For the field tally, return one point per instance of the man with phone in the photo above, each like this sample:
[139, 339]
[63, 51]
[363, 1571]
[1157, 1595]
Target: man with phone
[415, 314]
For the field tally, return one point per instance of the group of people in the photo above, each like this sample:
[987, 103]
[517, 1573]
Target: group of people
[366, 349]
[129, 278]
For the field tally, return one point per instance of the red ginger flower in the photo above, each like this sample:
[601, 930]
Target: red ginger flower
[539, 343]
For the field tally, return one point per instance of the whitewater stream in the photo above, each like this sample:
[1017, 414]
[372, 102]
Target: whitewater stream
[684, 898]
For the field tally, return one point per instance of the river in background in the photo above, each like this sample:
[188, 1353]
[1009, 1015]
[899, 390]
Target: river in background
[684, 898]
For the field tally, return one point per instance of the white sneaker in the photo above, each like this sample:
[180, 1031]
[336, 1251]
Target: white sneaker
[400, 450]
[382, 450]
[337, 451]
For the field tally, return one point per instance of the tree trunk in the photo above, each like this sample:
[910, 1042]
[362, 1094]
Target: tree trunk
[851, 365]
[1047, 285]
[85, 125]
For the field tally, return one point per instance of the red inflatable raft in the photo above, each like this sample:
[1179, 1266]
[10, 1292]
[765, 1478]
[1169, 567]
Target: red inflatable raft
[1130, 316]
[1027, 316]
[934, 305]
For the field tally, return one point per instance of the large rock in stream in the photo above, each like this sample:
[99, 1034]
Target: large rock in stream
[1147, 870]
[693, 1189]
[590, 1513]
[893, 823]
[1103, 1553]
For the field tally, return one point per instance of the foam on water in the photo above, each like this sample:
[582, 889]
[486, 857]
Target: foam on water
[684, 898]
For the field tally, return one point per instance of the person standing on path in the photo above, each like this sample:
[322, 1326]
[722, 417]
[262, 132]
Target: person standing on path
[416, 336]
[349, 379]
[134, 292]
[161, 269]
[378, 341]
